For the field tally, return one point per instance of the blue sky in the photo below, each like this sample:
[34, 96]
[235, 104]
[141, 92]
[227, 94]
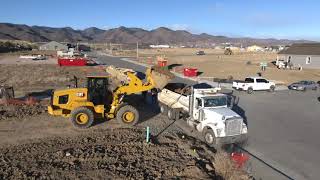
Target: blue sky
[291, 19]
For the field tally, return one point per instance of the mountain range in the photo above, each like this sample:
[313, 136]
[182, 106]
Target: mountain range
[161, 35]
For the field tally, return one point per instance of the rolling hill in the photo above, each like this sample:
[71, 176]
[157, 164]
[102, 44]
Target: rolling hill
[161, 35]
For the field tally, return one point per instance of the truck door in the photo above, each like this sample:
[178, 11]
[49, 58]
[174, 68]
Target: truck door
[260, 84]
[197, 107]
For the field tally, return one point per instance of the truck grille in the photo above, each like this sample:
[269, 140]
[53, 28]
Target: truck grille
[233, 127]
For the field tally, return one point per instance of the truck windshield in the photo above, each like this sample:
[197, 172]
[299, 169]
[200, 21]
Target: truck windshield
[215, 101]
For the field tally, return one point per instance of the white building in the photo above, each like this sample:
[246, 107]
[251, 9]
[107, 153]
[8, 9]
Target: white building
[160, 46]
[254, 48]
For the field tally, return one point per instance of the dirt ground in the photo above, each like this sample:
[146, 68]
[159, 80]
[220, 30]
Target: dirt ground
[119, 153]
[15, 59]
[240, 65]
[35, 145]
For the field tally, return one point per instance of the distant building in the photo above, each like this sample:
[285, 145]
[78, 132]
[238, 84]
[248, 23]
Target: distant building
[53, 46]
[306, 55]
[255, 48]
[160, 46]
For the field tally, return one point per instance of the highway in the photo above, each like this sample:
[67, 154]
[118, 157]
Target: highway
[283, 129]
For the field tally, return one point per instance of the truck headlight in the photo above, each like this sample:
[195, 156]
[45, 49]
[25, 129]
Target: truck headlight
[223, 118]
[244, 129]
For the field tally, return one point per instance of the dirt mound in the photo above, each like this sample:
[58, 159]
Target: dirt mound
[20, 111]
[120, 153]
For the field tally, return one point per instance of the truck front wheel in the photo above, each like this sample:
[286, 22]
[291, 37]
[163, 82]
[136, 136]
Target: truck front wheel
[250, 90]
[209, 137]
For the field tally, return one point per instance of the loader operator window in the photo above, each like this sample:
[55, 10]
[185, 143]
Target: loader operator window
[63, 99]
[98, 91]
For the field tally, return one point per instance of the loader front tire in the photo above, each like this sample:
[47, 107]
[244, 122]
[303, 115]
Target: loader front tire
[82, 117]
[128, 115]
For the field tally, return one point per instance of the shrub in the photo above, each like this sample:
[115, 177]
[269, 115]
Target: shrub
[227, 169]
[230, 78]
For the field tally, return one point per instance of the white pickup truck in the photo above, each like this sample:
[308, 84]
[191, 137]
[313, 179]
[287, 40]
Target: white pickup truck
[251, 84]
[206, 110]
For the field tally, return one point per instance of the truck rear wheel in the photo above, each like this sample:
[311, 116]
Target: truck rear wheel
[128, 115]
[209, 137]
[163, 108]
[82, 117]
[170, 114]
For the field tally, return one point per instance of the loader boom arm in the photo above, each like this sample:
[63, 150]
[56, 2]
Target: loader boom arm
[136, 85]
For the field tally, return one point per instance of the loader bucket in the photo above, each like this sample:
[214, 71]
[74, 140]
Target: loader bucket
[118, 75]
[160, 76]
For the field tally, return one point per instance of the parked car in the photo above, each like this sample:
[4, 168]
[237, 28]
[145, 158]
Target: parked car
[303, 85]
[199, 53]
[251, 84]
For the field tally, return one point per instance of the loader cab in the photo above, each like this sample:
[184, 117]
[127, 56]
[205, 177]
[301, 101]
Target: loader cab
[98, 92]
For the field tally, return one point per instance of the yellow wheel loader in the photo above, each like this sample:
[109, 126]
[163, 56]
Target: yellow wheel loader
[103, 96]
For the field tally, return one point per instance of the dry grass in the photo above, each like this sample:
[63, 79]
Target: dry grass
[216, 64]
[227, 169]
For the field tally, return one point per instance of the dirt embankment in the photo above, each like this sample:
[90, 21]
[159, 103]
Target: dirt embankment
[28, 77]
[119, 153]
[20, 111]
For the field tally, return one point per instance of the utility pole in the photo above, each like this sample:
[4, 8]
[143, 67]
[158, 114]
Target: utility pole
[137, 50]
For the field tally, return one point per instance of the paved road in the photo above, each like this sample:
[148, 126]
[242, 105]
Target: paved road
[283, 129]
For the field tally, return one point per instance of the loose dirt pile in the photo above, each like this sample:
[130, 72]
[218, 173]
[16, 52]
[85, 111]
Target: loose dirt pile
[20, 111]
[120, 153]
[29, 77]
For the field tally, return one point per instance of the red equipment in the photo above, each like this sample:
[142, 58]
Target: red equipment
[67, 61]
[190, 72]
[162, 63]
[239, 158]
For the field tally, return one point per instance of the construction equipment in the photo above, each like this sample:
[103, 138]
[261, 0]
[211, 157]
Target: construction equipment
[104, 94]
[228, 51]
[6, 93]
[7, 97]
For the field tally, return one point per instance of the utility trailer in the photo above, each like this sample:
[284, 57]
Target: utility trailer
[206, 110]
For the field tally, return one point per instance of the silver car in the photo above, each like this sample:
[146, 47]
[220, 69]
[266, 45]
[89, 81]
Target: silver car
[303, 85]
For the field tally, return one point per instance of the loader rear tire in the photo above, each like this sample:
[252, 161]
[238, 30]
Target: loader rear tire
[82, 117]
[128, 115]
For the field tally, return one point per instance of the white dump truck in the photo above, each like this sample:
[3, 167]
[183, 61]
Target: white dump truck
[206, 110]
